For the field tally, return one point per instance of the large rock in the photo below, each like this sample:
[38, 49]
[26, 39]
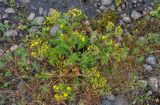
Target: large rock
[106, 2]
[136, 15]
[121, 100]
[10, 33]
[9, 10]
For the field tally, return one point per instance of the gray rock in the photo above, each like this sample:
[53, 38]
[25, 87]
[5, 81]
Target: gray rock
[40, 10]
[106, 2]
[135, 15]
[4, 16]
[106, 102]
[149, 93]
[121, 100]
[1, 1]
[126, 19]
[142, 83]
[148, 68]
[10, 33]
[119, 9]
[51, 10]
[112, 7]
[39, 20]
[102, 7]
[9, 10]
[14, 47]
[151, 59]
[153, 83]
[31, 16]
[54, 30]
[33, 29]
[45, 12]
[24, 1]
[110, 97]
[1, 52]
[134, 1]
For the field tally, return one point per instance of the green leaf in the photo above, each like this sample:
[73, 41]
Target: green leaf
[73, 58]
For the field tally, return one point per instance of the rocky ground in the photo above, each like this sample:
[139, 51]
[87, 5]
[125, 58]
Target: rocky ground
[129, 12]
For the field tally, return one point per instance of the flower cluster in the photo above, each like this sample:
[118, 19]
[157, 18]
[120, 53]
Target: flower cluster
[62, 92]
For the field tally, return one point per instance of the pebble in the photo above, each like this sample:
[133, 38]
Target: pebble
[148, 68]
[153, 83]
[151, 59]
[142, 83]
[10, 33]
[1, 52]
[111, 97]
[4, 16]
[135, 15]
[39, 20]
[9, 10]
[40, 10]
[14, 47]
[106, 102]
[121, 100]
[31, 16]
[54, 30]
[106, 2]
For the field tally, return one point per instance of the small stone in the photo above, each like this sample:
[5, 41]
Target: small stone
[10, 33]
[31, 16]
[112, 7]
[45, 12]
[134, 1]
[153, 83]
[121, 100]
[51, 11]
[4, 16]
[40, 10]
[148, 68]
[39, 20]
[102, 8]
[135, 15]
[111, 97]
[9, 10]
[13, 47]
[119, 9]
[106, 102]
[25, 1]
[1, 52]
[151, 59]
[54, 30]
[127, 19]
[142, 83]
[106, 2]
[149, 93]
[33, 29]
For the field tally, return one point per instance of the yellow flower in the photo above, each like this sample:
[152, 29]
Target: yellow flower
[56, 87]
[110, 26]
[65, 94]
[82, 38]
[110, 42]
[58, 97]
[33, 54]
[104, 37]
[69, 88]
